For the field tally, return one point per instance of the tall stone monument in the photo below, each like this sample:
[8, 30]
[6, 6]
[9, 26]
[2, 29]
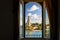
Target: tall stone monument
[29, 24]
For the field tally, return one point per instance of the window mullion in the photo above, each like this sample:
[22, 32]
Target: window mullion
[44, 20]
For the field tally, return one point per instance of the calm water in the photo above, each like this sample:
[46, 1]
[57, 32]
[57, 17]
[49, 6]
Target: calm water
[30, 34]
[33, 34]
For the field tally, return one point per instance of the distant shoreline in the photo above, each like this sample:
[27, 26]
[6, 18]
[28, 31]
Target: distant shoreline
[34, 30]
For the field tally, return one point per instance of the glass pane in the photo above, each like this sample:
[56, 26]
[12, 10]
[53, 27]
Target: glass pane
[33, 20]
[21, 24]
[47, 26]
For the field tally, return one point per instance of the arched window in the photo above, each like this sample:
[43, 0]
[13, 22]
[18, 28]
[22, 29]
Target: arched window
[34, 20]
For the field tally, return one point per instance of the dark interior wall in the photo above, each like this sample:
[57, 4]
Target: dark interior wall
[6, 20]
[59, 18]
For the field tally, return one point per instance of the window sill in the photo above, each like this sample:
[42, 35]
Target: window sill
[33, 39]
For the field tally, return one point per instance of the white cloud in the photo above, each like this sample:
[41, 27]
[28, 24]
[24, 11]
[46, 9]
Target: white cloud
[36, 21]
[26, 21]
[29, 14]
[33, 8]
[35, 16]
[40, 18]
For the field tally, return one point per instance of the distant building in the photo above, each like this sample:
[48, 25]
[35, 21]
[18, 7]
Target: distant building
[29, 25]
[28, 22]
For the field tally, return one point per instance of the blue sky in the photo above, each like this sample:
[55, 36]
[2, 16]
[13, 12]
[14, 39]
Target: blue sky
[34, 11]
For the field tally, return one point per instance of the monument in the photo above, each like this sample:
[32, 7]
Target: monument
[28, 22]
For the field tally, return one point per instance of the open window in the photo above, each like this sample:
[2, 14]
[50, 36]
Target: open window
[34, 20]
